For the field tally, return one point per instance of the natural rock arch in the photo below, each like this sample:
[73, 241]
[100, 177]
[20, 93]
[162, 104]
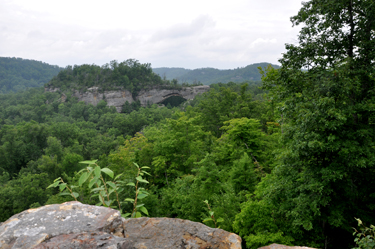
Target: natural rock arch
[145, 97]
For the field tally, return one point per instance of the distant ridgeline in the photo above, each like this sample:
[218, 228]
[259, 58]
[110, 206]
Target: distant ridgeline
[18, 74]
[208, 76]
[129, 75]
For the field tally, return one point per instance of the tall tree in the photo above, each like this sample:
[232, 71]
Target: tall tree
[327, 86]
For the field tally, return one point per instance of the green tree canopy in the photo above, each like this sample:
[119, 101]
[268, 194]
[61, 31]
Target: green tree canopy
[326, 87]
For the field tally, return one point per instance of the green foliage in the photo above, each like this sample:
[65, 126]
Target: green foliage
[326, 90]
[18, 74]
[44, 137]
[365, 238]
[208, 76]
[130, 75]
[107, 191]
[140, 193]
[257, 224]
[212, 216]
[22, 193]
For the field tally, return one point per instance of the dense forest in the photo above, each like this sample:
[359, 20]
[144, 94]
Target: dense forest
[207, 76]
[288, 161]
[18, 74]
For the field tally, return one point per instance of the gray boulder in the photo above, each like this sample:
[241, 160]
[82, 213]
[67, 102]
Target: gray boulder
[75, 225]
[177, 233]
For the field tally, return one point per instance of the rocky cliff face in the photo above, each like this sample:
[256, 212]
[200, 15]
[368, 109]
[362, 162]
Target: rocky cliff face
[75, 225]
[113, 98]
[119, 97]
[156, 95]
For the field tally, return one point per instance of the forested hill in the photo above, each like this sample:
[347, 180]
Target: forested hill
[207, 76]
[130, 75]
[18, 74]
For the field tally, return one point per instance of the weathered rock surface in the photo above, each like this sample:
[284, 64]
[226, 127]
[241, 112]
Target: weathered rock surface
[176, 233]
[37, 227]
[118, 98]
[113, 98]
[278, 246]
[155, 96]
[75, 225]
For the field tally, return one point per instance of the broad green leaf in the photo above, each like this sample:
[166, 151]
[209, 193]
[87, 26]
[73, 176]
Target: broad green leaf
[108, 203]
[207, 219]
[144, 210]
[97, 171]
[138, 215]
[55, 184]
[75, 194]
[145, 167]
[129, 199]
[131, 184]
[89, 162]
[140, 205]
[108, 172]
[141, 196]
[146, 172]
[211, 213]
[125, 215]
[93, 181]
[139, 178]
[62, 186]
[79, 172]
[118, 176]
[136, 165]
[65, 193]
[83, 178]
[57, 179]
[97, 189]
[112, 185]
[101, 199]
[220, 220]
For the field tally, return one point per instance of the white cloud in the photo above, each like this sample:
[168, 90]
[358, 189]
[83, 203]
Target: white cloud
[189, 34]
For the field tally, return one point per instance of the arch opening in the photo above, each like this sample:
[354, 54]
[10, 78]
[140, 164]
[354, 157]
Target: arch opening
[173, 101]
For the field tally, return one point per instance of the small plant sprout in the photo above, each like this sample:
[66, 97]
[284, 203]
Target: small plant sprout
[140, 193]
[102, 188]
[64, 188]
[212, 216]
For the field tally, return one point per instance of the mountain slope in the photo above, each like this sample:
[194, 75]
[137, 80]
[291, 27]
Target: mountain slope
[208, 76]
[18, 74]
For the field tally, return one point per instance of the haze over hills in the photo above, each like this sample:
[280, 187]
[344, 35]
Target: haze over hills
[209, 76]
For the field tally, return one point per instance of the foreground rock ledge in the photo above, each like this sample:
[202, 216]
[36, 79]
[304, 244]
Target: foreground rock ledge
[278, 246]
[75, 225]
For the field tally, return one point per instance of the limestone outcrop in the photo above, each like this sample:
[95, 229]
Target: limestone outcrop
[157, 95]
[75, 225]
[177, 233]
[113, 98]
[119, 97]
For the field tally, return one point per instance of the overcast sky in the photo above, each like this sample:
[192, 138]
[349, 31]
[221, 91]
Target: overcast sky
[166, 33]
